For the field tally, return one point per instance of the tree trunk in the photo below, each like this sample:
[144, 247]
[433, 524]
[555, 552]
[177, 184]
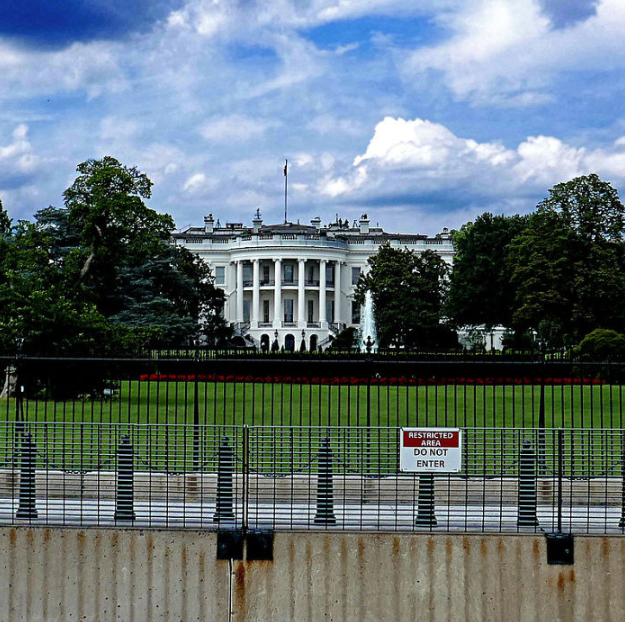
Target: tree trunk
[10, 382]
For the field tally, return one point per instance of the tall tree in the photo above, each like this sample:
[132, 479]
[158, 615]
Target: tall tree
[117, 253]
[481, 291]
[408, 292]
[105, 205]
[568, 265]
[5, 221]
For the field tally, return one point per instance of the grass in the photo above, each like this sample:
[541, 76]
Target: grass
[382, 408]
[303, 405]
[179, 447]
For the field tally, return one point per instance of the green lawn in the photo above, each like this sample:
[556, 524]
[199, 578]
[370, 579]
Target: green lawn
[304, 405]
[180, 447]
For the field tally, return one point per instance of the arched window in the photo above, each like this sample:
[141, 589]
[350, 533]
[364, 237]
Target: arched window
[289, 343]
[264, 343]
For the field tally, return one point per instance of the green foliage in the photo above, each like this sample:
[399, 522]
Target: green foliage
[408, 292]
[5, 222]
[346, 339]
[101, 274]
[481, 291]
[601, 344]
[568, 265]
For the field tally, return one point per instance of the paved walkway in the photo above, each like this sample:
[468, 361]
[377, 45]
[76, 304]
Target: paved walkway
[195, 515]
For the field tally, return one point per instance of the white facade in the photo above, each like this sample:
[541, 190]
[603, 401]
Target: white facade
[292, 282]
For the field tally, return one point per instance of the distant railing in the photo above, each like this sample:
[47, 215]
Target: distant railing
[310, 478]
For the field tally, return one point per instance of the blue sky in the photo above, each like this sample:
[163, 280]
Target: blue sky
[423, 114]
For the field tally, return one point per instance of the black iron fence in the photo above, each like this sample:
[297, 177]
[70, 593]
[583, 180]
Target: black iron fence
[311, 478]
[304, 391]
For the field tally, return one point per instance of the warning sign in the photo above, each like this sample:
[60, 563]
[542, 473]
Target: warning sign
[430, 450]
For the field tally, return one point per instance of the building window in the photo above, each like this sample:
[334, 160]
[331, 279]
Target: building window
[355, 275]
[355, 313]
[311, 274]
[288, 310]
[288, 273]
[330, 310]
[311, 311]
[265, 275]
[265, 311]
[329, 274]
[246, 311]
[247, 275]
[220, 275]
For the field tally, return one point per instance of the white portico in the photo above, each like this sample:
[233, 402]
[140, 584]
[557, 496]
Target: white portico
[290, 283]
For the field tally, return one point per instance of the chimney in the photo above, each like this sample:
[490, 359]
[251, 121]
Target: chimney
[364, 224]
[316, 223]
[257, 221]
[208, 223]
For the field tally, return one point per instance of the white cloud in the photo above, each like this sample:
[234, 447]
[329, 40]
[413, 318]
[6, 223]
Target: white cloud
[508, 52]
[419, 157]
[17, 157]
[194, 183]
[116, 128]
[234, 127]
[93, 68]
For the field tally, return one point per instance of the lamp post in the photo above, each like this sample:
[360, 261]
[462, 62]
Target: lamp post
[19, 389]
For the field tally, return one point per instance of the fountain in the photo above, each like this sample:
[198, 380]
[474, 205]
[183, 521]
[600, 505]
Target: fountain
[367, 326]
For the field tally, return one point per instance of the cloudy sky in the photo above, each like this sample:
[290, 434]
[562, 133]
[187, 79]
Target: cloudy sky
[420, 113]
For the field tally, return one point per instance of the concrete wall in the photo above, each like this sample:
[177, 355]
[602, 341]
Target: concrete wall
[134, 575]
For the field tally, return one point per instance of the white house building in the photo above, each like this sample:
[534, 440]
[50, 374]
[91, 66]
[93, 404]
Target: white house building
[291, 282]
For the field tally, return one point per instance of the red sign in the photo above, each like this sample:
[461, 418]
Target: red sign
[431, 438]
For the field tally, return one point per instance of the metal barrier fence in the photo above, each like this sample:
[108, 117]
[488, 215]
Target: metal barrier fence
[308, 478]
[333, 392]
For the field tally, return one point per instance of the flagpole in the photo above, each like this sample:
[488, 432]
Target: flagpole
[286, 177]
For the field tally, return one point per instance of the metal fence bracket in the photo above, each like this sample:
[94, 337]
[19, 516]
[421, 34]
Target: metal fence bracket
[259, 545]
[560, 548]
[230, 544]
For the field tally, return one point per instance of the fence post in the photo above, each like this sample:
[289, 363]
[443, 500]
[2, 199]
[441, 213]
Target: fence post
[124, 501]
[527, 487]
[325, 486]
[426, 516]
[225, 471]
[621, 523]
[27, 507]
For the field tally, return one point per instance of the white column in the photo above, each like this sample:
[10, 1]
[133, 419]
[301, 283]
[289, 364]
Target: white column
[277, 294]
[301, 293]
[239, 294]
[255, 293]
[337, 292]
[322, 294]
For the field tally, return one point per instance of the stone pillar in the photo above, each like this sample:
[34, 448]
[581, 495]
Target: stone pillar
[337, 293]
[239, 290]
[255, 294]
[322, 294]
[301, 293]
[277, 295]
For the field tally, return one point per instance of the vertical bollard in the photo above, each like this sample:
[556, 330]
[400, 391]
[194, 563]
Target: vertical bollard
[225, 471]
[425, 509]
[325, 486]
[527, 487]
[27, 507]
[124, 503]
[621, 523]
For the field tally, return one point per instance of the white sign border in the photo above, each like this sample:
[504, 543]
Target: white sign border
[403, 451]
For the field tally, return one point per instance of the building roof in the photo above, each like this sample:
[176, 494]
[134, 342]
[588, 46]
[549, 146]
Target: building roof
[340, 229]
